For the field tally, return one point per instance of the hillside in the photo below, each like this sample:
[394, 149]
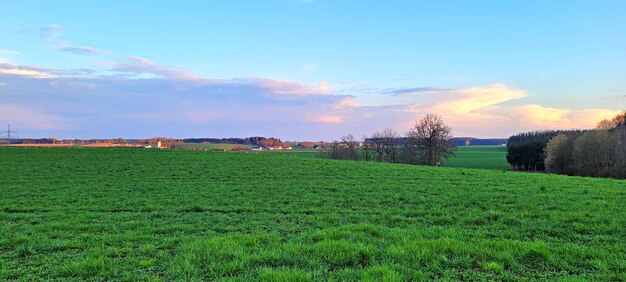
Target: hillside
[136, 214]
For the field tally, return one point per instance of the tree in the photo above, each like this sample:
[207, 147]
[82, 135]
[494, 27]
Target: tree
[593, 153]
[367, 149]
[351, 147]
[616, 121]
[390, 144]
[619, 137]
[433, 139]
[378, 143]
[558, 154]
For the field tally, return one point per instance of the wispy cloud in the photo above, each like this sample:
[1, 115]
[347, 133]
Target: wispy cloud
[39, 72]
[51, 34]
[83, 50]
[48, 32]
[9, 52]
[142, 66]
[413, 90]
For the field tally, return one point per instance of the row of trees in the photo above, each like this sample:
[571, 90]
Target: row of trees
[526, 150]
[428, 142]
[599, 153]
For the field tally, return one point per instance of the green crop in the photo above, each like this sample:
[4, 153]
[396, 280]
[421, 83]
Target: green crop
[160, 215]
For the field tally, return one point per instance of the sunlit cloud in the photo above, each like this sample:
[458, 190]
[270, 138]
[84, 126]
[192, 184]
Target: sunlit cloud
[349, 102]
[12, 69]
[327, 119]
[149, 98]
[38, 72]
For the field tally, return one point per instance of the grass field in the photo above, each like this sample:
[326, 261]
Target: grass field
[153, 215]
[306, 153]
[209, 146]
[488, 157]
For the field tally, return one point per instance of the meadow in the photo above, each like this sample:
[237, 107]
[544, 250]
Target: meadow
[211, 146]
[487, 157]
[160, 215]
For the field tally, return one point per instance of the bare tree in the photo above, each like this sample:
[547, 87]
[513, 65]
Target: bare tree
[335, 150]
[367, 149]
[433, 139]
[616, 121]
[351, 147]
[390, 144]
[379, 146]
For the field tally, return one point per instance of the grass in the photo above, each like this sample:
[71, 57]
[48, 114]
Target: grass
[486, 157]
[161, 215]
[210, 146]
[306, 153]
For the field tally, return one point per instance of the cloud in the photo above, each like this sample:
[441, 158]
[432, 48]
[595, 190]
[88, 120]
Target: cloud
[9, 52]
[137, 98]
[38, 72]
[51, 33]
[290, 87]
[11, 69]
[413, 91]
[142, 66]
[537, 116]
[48, 32]
[469, 100]
[83, 50]
[346, 103]
[327, 119]
[484, 111]
[29, 117]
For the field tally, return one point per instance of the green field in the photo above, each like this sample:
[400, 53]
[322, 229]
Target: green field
[488, 157]
[306, 153]
[141, 215]
[210, 146]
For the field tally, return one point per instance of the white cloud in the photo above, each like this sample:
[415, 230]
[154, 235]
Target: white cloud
[9, 52]
[150, 98]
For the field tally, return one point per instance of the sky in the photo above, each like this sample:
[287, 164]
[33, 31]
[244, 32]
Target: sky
[307, 69]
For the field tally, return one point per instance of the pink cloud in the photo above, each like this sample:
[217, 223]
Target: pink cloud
[326, 119]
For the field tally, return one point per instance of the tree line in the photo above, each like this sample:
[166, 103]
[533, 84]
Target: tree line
[428, 142]
[599, 152]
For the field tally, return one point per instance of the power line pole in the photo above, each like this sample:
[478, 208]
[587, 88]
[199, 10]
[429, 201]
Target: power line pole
[8, 134]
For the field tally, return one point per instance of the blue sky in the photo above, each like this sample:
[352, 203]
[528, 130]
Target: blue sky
[307, 69]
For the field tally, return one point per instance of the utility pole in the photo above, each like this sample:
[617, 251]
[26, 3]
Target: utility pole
[8, 134]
